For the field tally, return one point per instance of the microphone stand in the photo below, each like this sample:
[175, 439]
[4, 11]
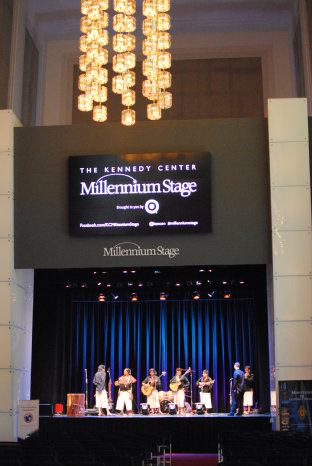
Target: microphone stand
[191, 391]
[86, 392]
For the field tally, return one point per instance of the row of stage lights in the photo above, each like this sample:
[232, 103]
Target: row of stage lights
[162, 296]
[177, 284]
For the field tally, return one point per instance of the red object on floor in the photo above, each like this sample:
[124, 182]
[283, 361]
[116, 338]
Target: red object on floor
[192, 459]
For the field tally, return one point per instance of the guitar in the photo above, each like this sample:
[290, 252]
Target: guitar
[209, 383]
[148, 388]
[174, 386]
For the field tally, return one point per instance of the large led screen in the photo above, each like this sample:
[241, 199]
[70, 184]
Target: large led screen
[139, 194]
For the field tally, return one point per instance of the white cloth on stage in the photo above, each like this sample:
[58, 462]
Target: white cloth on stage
[248, 398]
[205, 399]
[124, 398]
[101, 400]
[179, 398]
[153, 400]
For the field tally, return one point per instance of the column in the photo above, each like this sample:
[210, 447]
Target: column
[291, 239]
[16, 296]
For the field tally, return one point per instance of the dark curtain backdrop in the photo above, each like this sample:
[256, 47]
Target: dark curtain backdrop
[212, 334]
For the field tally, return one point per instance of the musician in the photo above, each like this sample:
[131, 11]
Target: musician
[237, 391]
[101, 380]
[183, 386]
[125, 395]
[153, 399]
[205, 384]
[248, 390]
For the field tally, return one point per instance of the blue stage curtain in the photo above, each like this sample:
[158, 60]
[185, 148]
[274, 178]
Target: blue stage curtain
[204, 334]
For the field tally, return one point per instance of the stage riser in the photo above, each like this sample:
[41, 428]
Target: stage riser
[188, 434]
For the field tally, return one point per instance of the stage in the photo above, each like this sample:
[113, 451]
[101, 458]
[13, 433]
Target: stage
[187, 433]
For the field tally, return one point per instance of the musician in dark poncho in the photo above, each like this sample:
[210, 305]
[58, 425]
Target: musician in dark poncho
[183, 385]
[101, 380]
[205, 384]
[153, 399]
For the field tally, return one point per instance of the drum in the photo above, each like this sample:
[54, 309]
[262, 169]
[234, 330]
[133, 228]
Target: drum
[164, 406]
[75, 404]
[161, 395]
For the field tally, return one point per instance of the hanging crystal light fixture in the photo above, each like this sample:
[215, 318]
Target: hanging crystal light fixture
[155, 48]
[92, 82]
[124, 61]
[95, 56]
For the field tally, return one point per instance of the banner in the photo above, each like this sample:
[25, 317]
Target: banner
[28, 417]
[296, 405]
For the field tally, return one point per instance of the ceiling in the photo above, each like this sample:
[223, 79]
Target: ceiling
[60, 19]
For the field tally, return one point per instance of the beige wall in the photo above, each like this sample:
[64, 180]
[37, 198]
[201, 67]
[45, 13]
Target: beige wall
[55, 99]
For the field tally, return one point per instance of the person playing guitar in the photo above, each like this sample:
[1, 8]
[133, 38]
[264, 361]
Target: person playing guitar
[150, 387]
[179, 384]
[205, 384]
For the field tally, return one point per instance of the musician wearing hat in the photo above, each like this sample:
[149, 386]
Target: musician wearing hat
[205, 384]
[150, 386]
[179, 384]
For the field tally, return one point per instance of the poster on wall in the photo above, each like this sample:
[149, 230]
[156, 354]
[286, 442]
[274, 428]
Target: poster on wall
[139, 194]
[296, 405]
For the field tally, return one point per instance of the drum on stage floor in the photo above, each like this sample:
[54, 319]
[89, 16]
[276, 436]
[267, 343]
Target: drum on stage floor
[166, 396]
[164, 406]
[75, 404]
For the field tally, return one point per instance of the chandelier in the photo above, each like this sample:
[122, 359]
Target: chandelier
[93, 45]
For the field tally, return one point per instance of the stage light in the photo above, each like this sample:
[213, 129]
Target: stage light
[156, 272]
[94, 273]
[178, 284]
[101, 298]
[210, 295]
[199, 282]
[172, 409]
[83, 285]
[201, 270]
[163, 296]
[208, 281]
[133, 271]
[196, 295]
[200, 408]
[140, 284]
[68, 285]
[130, 283]
[108, 285]
[134, 297]
[103, 273]
[114, 296]
[144, 409]
[227, 295]
[125, 271]
[224, 283]
[99, 283]
[242, 283]
[210, 270]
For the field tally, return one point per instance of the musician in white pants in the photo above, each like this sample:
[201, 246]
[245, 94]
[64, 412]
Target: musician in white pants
[183, 385]
[125, 395]
[205, 384]
[153, 399]
[101, 380]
